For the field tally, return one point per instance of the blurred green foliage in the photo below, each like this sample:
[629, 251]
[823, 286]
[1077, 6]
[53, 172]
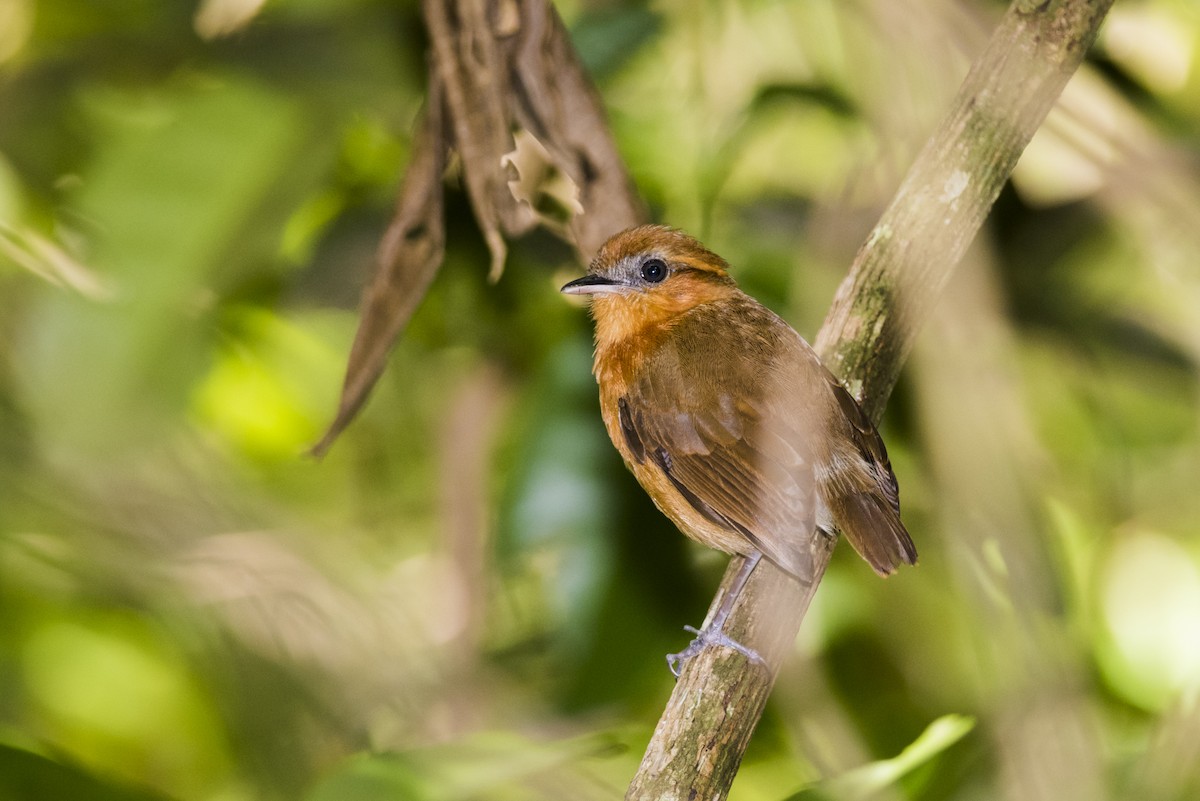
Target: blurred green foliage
[469, 598]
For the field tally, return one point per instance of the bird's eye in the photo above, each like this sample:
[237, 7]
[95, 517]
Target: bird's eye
[654, 270]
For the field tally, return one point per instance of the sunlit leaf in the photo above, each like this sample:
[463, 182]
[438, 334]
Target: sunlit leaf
[1150, 602]
[373, 778]
[490, 765]
[862, 783]
[163, 224]
[25, 776]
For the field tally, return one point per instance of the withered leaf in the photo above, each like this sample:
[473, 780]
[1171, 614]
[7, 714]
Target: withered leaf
[496, 66]
[466, 57]
[559, 105]
[408, 258]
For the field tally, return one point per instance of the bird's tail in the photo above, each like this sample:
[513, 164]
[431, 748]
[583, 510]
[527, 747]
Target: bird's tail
[873, 527]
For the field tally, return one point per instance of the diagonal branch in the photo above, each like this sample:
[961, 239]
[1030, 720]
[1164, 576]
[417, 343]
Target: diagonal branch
[878, 310]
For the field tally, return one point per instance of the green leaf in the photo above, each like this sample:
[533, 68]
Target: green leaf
[168, 197]
[867, 780]
[25, 776]
[487, 765]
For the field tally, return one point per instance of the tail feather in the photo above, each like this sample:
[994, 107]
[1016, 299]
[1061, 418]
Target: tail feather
[866, 499]
[873, 527]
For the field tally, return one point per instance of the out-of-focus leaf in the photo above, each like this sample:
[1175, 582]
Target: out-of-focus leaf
[217, 18]
[25, 776]
[374, 777]
[16, 22]
[867, 780]
[1150, 601]
[162, 225]
[50, 262]
[607, 38]
[820, 94]
[264, 393]
[555, 505]
[491, 765]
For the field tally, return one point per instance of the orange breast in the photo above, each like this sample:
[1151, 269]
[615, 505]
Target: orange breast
[617, 369]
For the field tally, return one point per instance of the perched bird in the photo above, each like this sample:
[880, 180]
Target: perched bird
[728, 418]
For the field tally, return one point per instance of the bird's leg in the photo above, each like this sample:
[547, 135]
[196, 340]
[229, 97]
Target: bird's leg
[714, 632]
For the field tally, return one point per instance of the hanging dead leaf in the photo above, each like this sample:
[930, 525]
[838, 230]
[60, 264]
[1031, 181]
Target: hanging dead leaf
[539, 184]
[495, 66]
[408, 258]
[468, 60]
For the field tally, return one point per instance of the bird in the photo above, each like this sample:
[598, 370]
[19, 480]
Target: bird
[729, 420]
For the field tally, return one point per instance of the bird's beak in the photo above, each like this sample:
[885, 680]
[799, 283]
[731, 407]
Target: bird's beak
[592, 285]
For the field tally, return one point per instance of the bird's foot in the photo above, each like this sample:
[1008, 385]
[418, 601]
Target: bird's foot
[705, 638]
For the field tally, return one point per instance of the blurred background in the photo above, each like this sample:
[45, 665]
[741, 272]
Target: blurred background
[469, 597]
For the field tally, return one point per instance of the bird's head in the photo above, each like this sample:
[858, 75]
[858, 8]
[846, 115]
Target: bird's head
[646, 276]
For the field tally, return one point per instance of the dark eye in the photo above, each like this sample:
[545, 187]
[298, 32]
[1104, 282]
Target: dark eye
[654, 270]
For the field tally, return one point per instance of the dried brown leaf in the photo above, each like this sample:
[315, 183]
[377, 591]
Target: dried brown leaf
[407, 260]
[559, 106]
[496, 66]
[468, 60]
[538, 183]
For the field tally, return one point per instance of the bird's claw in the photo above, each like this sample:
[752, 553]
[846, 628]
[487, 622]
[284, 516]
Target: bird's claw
[703, 639]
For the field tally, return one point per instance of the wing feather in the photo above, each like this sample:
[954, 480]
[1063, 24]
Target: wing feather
[731, 456]
[869, 516]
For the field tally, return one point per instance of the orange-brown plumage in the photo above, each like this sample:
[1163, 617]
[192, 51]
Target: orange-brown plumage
[726, 416]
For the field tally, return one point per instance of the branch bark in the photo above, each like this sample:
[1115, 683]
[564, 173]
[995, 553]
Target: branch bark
[896, 277]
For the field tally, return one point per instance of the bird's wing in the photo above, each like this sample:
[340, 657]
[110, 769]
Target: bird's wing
[717, 433]
[867, 507]
[866, 439]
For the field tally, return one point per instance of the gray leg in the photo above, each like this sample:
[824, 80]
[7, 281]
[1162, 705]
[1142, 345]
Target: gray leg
[713, 633]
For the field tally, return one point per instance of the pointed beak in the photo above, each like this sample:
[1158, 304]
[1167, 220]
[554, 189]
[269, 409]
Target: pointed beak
[592, 285]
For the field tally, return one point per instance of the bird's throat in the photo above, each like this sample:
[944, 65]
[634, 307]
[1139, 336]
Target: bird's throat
[623, 319]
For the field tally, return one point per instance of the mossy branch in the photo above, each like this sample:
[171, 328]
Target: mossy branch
[895, 279]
